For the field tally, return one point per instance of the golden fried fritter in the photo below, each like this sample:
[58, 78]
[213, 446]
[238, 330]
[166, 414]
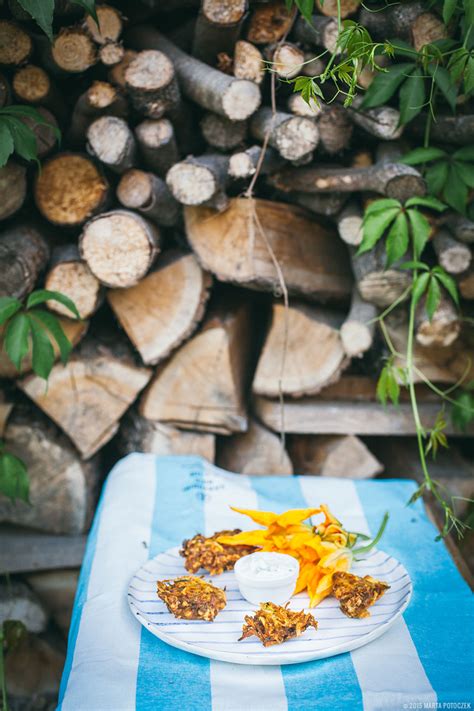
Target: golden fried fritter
[191, 598]
[357, 594]
[208, 554]
[274, 624]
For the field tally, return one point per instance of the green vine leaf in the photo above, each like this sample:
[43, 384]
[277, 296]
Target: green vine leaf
[384, 86]
[7, 145]
[374, 225]
[42, 11]
[420, 230]
[422, 155]
[52, 324]
[40, 296]
[448, 282]
[445, 84]
[13, 131]
[42, 350]
[412, 97]
[437, 437]
[388, 387]
[449, 8]
[419, 287]
[397, 239]
[433, 297]
[8, 306]
[14, 482]
[16, 341]
[463, 410]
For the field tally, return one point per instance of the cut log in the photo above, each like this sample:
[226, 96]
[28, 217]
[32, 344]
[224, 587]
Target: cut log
[269, 22]
[24, 550]
[302, 353]
[376, 284]
[248, 62]
[455, 257]
[335, 129]
[349, 223]
[45, 135]
[63, 490]
[23, 255]
[221, 133]
[99, 99]
[71, 276]
[441, 330]
[287, 60]
[202, 386]
[231, 245]
[32, 85]
[111, 53]
[163, 309]
[357, 331]
[140, 435]
[18, 602]
[427, 29]
[119, 247]
[322, 32]
[217, 28]
[149, 195]
[257, 451]
[70, 189]
[326, 204]
[244, 163]
[461, 227]
[237, 99]
[330, 7]
[382, 122]
[110, 24]
[201, 179]
[56, 589]
[157, 144]
[292, 136]
[12, 188]
[117, 73]
[392, 179]
[15, 44]
[88, 396]
[74, 331]
[392, 20]
[313, 66]
[72, 51]
[466, 283]
[111, 141]
[151, 82]
[333, 455]
[458, 130]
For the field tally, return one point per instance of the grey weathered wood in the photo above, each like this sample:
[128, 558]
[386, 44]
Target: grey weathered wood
[23, 550]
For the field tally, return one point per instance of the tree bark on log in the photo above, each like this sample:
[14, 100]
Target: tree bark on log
[392, 179]
[88, 396]
[457, 130]
[230, 245]
[119, 247]
[152, 85]
[248, 62]
[333, 455]
[71, 276]
[455, 257]
[157, 145]
[326, 204]
[199, 180]
[393, 20]
[236, 99]
[461, 227]
[70, 189]
[335, 129]
[202, 386]
[466, 283]
[357, 331]
[12, 188]
[140, 435]
[307, 338]
[376, 284]
[349, 223]
[244, 163]
[383, 122]
[221, 133]
[269, 22]
[99, 99]
[322, 32]
[163, 309]
[292, 136]
[112, 142]
[255, 452]
[23, 255]
[217, 28]
[15, 44]
[63, 490]
[145, 192]
[442, 329]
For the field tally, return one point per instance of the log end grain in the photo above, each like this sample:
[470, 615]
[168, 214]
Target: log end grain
[248, 62]
[241, 99]
[111, 53]
[191, 184]
[75, 280]
[12, 188]
[109, 138]
[73, 50]
[110, 24]
[15, 44]
[69, 189]
[31, 84]
[269, 22]
[296, 137]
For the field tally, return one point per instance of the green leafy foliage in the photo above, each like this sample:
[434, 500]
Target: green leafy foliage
[430, 284]
[388, 384]
[437, 436]
[29, 327]
[449, 175]
[14, 482]
[463, 408]
[42, 12]
[16, 135]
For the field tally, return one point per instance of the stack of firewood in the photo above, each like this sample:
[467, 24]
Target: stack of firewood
[193, 193]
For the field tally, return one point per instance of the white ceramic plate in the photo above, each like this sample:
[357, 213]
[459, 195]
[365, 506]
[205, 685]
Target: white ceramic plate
[336, 633]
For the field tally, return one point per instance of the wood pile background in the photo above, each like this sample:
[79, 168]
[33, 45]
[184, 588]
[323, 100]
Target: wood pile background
[144, 217]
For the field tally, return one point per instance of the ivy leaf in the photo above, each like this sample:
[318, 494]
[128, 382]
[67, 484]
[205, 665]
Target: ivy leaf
[54, 327]
[14, 482]
[8, 306]
[455, 192]
[16, 341]
[381, 205]
[419, 287]
[464, 173]
[388, 386]
[385, 85]
[463, 411]
[6, 143]
[420, 230]
[397, 239]
[43, 353]
[469, 76]
[306, 8]
[448, 282]
[465, 153]
[41, 295]
[412, 97]
[436, 176]
[23, 138]
[374, 226]
[428, 201]
[445, 84]
[422, 155]
[449, 6]
[433, 297]
[41, 11]
[414, 265]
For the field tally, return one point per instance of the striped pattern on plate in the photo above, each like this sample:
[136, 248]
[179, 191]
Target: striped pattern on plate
[336, 633]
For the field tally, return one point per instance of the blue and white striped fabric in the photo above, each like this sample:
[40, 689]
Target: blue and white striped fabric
[150, 504]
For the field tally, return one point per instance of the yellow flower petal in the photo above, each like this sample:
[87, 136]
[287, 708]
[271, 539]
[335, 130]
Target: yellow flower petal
[295, 516]
[246, 538]
[264, 518]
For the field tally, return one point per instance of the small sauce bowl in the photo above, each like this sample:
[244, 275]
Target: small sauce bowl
[267, 577]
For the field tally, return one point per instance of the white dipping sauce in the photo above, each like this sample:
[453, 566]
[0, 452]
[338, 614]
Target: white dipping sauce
[267, 577]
